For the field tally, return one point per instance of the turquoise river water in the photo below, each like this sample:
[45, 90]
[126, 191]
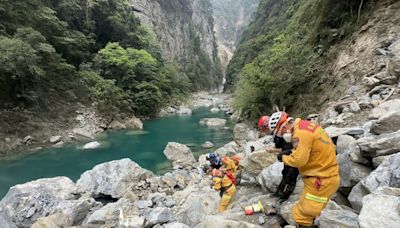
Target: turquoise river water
[144, 147]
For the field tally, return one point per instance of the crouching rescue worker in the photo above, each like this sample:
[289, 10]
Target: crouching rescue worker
[215, 162]
[226, 187]
[314, 155]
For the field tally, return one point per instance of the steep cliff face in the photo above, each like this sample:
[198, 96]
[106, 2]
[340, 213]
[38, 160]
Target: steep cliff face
[184, 30]
[231, 17]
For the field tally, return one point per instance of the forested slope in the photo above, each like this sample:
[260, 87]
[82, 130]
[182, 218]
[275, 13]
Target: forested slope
[283, 54]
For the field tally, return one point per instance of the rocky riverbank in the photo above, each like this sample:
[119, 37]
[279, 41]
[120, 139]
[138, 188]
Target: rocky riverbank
[84, 124]
[122, 194]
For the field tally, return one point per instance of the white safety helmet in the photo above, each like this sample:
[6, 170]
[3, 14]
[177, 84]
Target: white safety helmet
[276, 119]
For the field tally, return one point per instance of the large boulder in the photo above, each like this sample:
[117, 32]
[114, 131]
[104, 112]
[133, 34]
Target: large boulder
[240, 132]
[350, 172]
[257, 161]
[184, 111]
[389, 106]
[114, 178]
[334, 216]
[116, 125]
[379, 145]
[381, 209]
[386, 175]
[25, 203]
[114, 214]
[388, 123]
[229, 149]
[195, 203]
[271, 176]
[159, 215]
[134, 123]
[179, 154]
[346, 144]
[335, 131]
[213, 122]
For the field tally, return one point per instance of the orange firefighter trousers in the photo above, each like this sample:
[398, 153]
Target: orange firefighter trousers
[315, 196]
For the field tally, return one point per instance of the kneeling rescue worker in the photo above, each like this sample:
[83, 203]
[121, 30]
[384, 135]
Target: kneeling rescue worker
[315, 157]
[226, 187]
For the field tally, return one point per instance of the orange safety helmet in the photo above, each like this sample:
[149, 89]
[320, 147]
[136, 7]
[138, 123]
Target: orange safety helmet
[263, 123]
[236, 158]
[217, 173]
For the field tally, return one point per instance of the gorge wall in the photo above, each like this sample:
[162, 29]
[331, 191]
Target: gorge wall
[184, 30]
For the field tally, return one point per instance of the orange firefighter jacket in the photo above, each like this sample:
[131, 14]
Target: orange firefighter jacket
[222, 183]
[314, 153]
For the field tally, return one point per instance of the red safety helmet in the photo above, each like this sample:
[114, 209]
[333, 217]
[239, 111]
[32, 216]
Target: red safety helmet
[263, 123]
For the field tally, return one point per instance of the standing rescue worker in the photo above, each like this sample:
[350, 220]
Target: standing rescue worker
[315, 157]
[227, 189]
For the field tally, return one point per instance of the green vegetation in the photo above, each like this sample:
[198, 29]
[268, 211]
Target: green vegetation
[282, 54]
[96, 50]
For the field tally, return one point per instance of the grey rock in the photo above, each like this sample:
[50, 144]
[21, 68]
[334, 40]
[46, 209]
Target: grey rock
[334, 216]
[261, 220]
[388, 123]
[207, 145]
[159, 215]
[60, 144]
[335, 131]
[367, 128]
[354, 107]
[114, 178]
[386, 107]
[228, 149]
[364, 102]
[184, 111]
[27, 140]
[240, 132]
[394, 67]
[386, 175]
[113, 214]
[350, 172]
[179, 154]
[116, 125]
[213, 122]
[356, 157]
[91, 145]
[176, 225]
[377, 161]
[25, 203]
[381, 209]
[346, 145]
[271, 176]
[257, 161]
[215, 110]
[195, 203]
[134, 123]
[285, 209]
[379, 145]
[55, 139]
[142, 204]
[222, 221]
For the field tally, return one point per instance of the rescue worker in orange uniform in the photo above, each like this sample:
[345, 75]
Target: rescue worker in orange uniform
[226, 187]
[315, 156]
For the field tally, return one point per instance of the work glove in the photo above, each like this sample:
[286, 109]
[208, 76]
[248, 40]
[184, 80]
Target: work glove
[279, 157]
